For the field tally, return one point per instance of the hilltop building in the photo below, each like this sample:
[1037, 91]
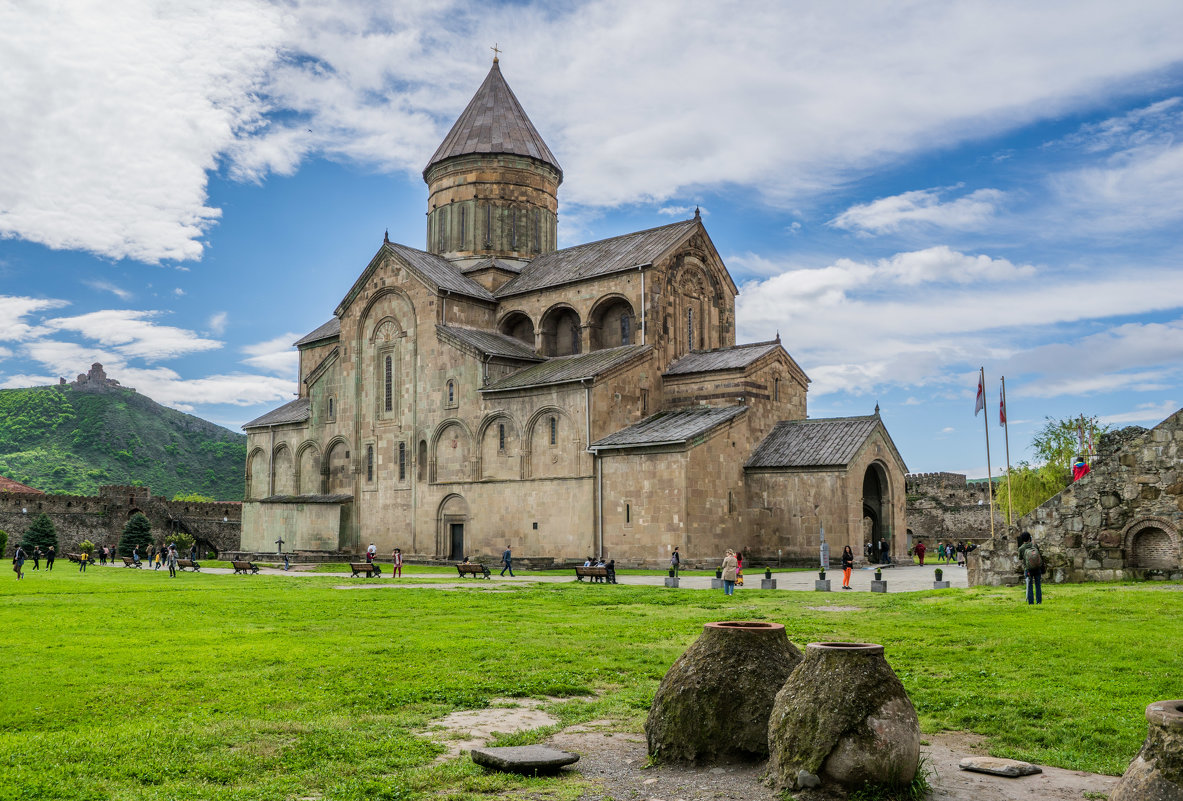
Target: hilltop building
[493, 390]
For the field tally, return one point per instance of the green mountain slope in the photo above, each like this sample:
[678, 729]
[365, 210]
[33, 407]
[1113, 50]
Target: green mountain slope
[66, 439]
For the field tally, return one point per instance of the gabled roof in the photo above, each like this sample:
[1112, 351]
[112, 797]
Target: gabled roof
[670, 428]
[329, 330]
[439, 271]
[598, 258]
[491, 263]
[491, 343]
[821, 442]
[296, 411]
[564, 369]
[494, 122]
[733, 358]
[8, 485]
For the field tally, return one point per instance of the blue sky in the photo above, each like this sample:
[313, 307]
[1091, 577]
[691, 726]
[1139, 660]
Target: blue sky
[904, 191]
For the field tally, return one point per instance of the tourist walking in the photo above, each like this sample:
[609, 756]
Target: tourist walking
[729, 567]
[193, 554]
[676, 561]
[920, 549]
[159, 559]
[1032, 561]
[36, 557]
[172, 561]
[884, 553]
[847, 566]
[18, 562]
[83, 558]
[49, 557]
[397, 558]
[960, 551]
[507, 560]
[739, 568]
[135, 555]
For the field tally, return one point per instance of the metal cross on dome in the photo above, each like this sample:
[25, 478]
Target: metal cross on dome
[496, 52]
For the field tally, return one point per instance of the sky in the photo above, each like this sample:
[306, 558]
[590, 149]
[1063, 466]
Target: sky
[904, 191]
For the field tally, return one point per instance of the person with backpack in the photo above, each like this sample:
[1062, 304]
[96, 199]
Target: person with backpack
[1032, 561]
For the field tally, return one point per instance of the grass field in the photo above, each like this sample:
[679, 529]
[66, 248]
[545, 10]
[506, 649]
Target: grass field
[129, 685]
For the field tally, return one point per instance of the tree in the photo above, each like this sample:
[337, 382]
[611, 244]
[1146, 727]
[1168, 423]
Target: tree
[41, 534]
[136, 534]
[1030, 486]
[1059, 440]
[1056, 443]
[193, 497]
[3, 541]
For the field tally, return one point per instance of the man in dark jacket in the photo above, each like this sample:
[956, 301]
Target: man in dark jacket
[1032, 567]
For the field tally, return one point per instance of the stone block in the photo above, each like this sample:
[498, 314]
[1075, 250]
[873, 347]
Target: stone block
[671, 582]
[878, 586]
[1111, 563]
[528, 760]
[821, 586]
[1092, 564]
[1109, 539]
[999, 767]
[1091, 517]
[940, 585]
[768, 584]
[716, 584]
[1106, 575]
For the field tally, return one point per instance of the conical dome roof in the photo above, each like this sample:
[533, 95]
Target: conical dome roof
[494, 122]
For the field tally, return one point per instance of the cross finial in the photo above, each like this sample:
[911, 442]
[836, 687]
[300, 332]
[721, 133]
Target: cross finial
[496, 52]
[697, 213]
[386, 236]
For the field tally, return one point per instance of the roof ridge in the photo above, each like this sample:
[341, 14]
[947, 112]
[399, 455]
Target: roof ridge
[611, 238]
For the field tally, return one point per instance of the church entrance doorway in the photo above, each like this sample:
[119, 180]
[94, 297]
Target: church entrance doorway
[457, 535]
[875, 505]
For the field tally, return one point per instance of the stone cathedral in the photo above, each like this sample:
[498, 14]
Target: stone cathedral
[494, 390]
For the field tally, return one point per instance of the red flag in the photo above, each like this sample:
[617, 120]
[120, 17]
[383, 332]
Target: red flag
[1002, 410]
[980, 403]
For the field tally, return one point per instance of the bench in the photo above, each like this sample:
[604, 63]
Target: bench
[188, 563]
[466, 569]
[244, 567]
[369, 568]
[596, 574]
[129, 562]
[77, 558]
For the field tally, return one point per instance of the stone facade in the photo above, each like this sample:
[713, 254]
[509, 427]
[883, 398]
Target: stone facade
[101, 518]
[946, 507]
[1121, 521]
[492, 391]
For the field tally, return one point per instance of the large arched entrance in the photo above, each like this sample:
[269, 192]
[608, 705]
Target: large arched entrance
[876, 503]
[451, 540]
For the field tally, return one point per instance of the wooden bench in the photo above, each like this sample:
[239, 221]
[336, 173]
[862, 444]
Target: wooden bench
[244, 567]
[596, 574]
[369, 568]
[129, 562]
[189, 563]
[77, 558]
[466, 569]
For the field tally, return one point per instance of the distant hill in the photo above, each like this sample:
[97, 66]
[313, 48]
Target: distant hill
[75, 437]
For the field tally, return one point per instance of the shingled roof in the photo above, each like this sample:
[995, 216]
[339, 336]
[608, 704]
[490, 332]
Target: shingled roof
[821, 442]
[564, 369]
[296, 411]
[440, 271]
[8, 485]
[494, 122]
[598, 258]
[670, 428]
[491, 343]
[491, 263]
[733, 358]
[329, 330]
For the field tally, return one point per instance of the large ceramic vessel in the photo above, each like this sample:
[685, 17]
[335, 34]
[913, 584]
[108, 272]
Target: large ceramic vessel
[843, 718]
[714, 702]
[1156, 774]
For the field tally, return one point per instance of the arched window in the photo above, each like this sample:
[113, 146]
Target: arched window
[554, 431]
[451, 393]
[330, 408]
[463, 222]
[776, 389]
[501, 436]
[625, 330]
[422, 457]
[369, 463]
[690, 329]
[513, 229]
[388, 383]
[402, 461]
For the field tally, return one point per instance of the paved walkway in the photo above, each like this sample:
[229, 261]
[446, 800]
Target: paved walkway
[904, 578]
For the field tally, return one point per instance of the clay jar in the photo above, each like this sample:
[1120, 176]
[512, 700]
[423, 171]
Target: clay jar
[1156, 774]
[713, 704]
[843, 718]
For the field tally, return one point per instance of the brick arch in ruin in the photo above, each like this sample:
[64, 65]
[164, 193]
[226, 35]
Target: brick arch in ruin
[493, 460]
[1151, 543]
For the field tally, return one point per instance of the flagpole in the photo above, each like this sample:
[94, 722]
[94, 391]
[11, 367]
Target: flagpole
[989, 470]
[1010, 501]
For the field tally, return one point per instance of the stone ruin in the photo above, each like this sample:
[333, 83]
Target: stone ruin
[948, 506]
[94, 380]
[1121, 521]
[1156, 773]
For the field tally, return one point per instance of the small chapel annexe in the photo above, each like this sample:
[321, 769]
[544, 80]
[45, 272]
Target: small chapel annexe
[493, 390]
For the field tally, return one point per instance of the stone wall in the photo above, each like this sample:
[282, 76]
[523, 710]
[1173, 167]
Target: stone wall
[1121, 521]
[945, 506]
[101, 518]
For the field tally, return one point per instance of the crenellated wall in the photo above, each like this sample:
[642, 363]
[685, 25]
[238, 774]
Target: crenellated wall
[101, 518]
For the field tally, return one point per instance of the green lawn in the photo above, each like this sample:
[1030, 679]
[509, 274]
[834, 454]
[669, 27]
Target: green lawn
[130, 685]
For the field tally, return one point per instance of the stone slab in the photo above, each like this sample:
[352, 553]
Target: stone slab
[716, 584]
[1011, 768]
[878, 586]
[821, 586]
[768, 584]
[525, 759]
[940, 585]
[671, 582]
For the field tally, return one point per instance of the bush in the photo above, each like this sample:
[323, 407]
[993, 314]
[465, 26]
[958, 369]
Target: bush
[41, 534]
[86, 546]
[3, 541]
[183, 540]
[136, 534]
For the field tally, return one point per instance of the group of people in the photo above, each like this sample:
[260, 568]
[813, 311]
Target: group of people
[396, 560]
[731, 571]
[879, 552]
[946, 552]
[21, 556]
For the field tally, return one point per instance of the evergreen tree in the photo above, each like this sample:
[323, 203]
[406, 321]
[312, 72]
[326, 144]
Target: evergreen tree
[3, 542]
[136, 534]
[41, 535]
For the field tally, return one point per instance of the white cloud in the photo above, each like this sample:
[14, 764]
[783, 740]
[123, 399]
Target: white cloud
[275, 355]
[13, 310]
[682, 211]
[133, 334]
[922, 206]
[115, 115]
[107, 286]
[948, 430]
[217, 323]
[1151, 413]
[24, 380]
[178, 292]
